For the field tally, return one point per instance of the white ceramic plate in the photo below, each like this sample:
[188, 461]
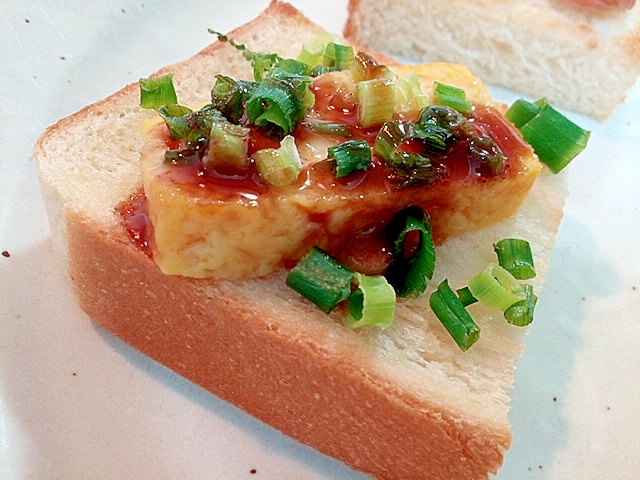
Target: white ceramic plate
[77, 403]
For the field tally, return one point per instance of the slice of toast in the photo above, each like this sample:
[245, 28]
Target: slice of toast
[579, 58]
[403, 402]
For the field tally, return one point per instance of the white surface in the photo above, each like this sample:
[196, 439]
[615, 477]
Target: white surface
[77, 403]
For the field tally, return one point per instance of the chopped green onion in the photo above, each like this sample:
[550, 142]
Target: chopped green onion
[412, 265]
[157, 92]
[555, 139]
[193, 128]
[185, 124]
[373, 303]
[279, 167]
[521, 313]
[228, 146]
[415, 170]
[227, 95]
[176, 118]
[488, 153]
[454, 317]
[375, 100]
[300, 83]
[521, 112]
[328, 128]
[190, 155]
[439, 125]
[365, 67]
[433, 135]
[409, 96]
[496, 287]
[312, 52]
[390, 137]
[514, 255]
[338, 57]
[319, 70]
[409, 168]
[349, 157]
[409, 160]
[466, 297]
[453, 97]
[262, 63]
[321, 279]
[276, 106]
[294, 67]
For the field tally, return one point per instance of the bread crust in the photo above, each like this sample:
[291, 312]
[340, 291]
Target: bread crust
[312, 390]
[403, 403]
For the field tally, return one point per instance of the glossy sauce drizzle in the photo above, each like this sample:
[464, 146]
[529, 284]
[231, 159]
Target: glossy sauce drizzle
[135, 218]
[333, 104]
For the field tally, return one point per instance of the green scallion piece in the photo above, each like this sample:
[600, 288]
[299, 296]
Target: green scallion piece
[294, 67]
[227, 95]
[279, 167]
[376, 100]
[192, 128]
[409, 96]
[555, 139]
[521, 111]
[521, 313]
[299, 83]
[328, 128]
[321, 279]
[439, 125]
[412, 265]
[157, 92]
[228, 146]
[372, 303]
[466, 297]
[262, 63]
[514, 255]
[410, 168]
[276, 105]
[312, 52]
[453, 97]
[366, 67]
[349, 157]
[390, 136]
[454, 317]
[496, 287]
[488, 153]
[185, 124]
[338, 57]
[176, 118]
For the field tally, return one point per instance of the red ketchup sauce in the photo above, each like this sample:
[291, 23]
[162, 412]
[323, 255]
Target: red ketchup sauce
[135, 219]
[363, 250]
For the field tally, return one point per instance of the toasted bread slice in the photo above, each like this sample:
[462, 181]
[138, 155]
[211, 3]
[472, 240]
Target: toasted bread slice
[403, 402]
[579, 58]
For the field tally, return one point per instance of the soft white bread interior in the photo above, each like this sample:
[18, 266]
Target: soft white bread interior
[404, 402]
[580, 59]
